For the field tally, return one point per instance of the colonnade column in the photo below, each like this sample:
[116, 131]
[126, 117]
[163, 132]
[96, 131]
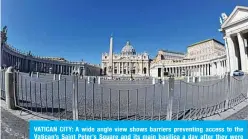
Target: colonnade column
[207, 70]
[122, 68]
[232, 56]
[222, 67]
[119, 68]
[243, 57]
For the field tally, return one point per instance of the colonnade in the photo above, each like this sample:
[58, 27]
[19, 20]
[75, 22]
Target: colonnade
[213, 68]
[27, 63]
[237, 50]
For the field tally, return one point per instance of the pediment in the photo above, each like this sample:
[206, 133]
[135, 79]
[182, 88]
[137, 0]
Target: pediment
[239, 14]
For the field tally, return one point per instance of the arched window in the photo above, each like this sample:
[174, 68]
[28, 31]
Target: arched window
[105, 70]
[144, 70]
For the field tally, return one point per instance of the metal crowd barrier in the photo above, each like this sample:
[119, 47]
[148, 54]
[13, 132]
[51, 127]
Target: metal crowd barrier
[76, 98]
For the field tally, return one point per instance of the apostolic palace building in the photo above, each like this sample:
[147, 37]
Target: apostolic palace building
[205, 58]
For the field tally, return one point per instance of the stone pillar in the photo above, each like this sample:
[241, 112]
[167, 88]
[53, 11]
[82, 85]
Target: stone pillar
[222, 67]
[162, 73]
[153, 81]
[171, 97]
[119, 68]
[99, 80]
[84, 70]
[36, 66]
[61, 69]
[199, 70]
[218, 68]
[207, 72]
[175, 71]
[243, 57]
[122, 68]
[59, 76]
[233, 59]
[69, 70]
[212, 69]
[206, 69]
[88, 80]
[10, 88]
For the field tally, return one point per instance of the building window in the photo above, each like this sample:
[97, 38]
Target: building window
[105, 70]
[115, 71]
[144, 70]
[133, 72]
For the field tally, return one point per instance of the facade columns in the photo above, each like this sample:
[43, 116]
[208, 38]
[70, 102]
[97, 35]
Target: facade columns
[243, 57]
[176, 71]
[233, 63]
[61, 69]
[207, 69]
[119, 68]
[122, 68]
[162, 73]
[218, 68]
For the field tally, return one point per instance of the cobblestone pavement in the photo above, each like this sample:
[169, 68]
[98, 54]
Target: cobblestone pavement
[242, 114]
[13, 127]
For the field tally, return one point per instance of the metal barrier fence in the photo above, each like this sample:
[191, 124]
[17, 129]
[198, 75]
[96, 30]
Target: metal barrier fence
[75, 98]
[2, 84]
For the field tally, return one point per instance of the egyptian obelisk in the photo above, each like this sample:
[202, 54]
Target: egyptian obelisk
[110, 66]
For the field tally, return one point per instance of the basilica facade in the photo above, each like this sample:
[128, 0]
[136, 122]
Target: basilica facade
[125, 63]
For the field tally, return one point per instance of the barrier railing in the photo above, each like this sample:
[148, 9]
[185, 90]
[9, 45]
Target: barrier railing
[75, 98]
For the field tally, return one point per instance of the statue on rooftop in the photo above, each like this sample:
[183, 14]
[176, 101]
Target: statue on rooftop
[221, 22]
[29, 53]
[4, 35]
[224, 17]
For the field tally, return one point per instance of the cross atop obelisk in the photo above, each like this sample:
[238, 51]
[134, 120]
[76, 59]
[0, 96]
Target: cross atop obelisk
[110, 66]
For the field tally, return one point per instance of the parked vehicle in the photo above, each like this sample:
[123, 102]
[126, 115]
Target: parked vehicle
[238, 73]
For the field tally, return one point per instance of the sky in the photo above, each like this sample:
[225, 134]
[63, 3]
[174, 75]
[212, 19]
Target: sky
[80, 29]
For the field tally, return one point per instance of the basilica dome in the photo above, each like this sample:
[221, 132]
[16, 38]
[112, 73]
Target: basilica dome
[128, 49]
